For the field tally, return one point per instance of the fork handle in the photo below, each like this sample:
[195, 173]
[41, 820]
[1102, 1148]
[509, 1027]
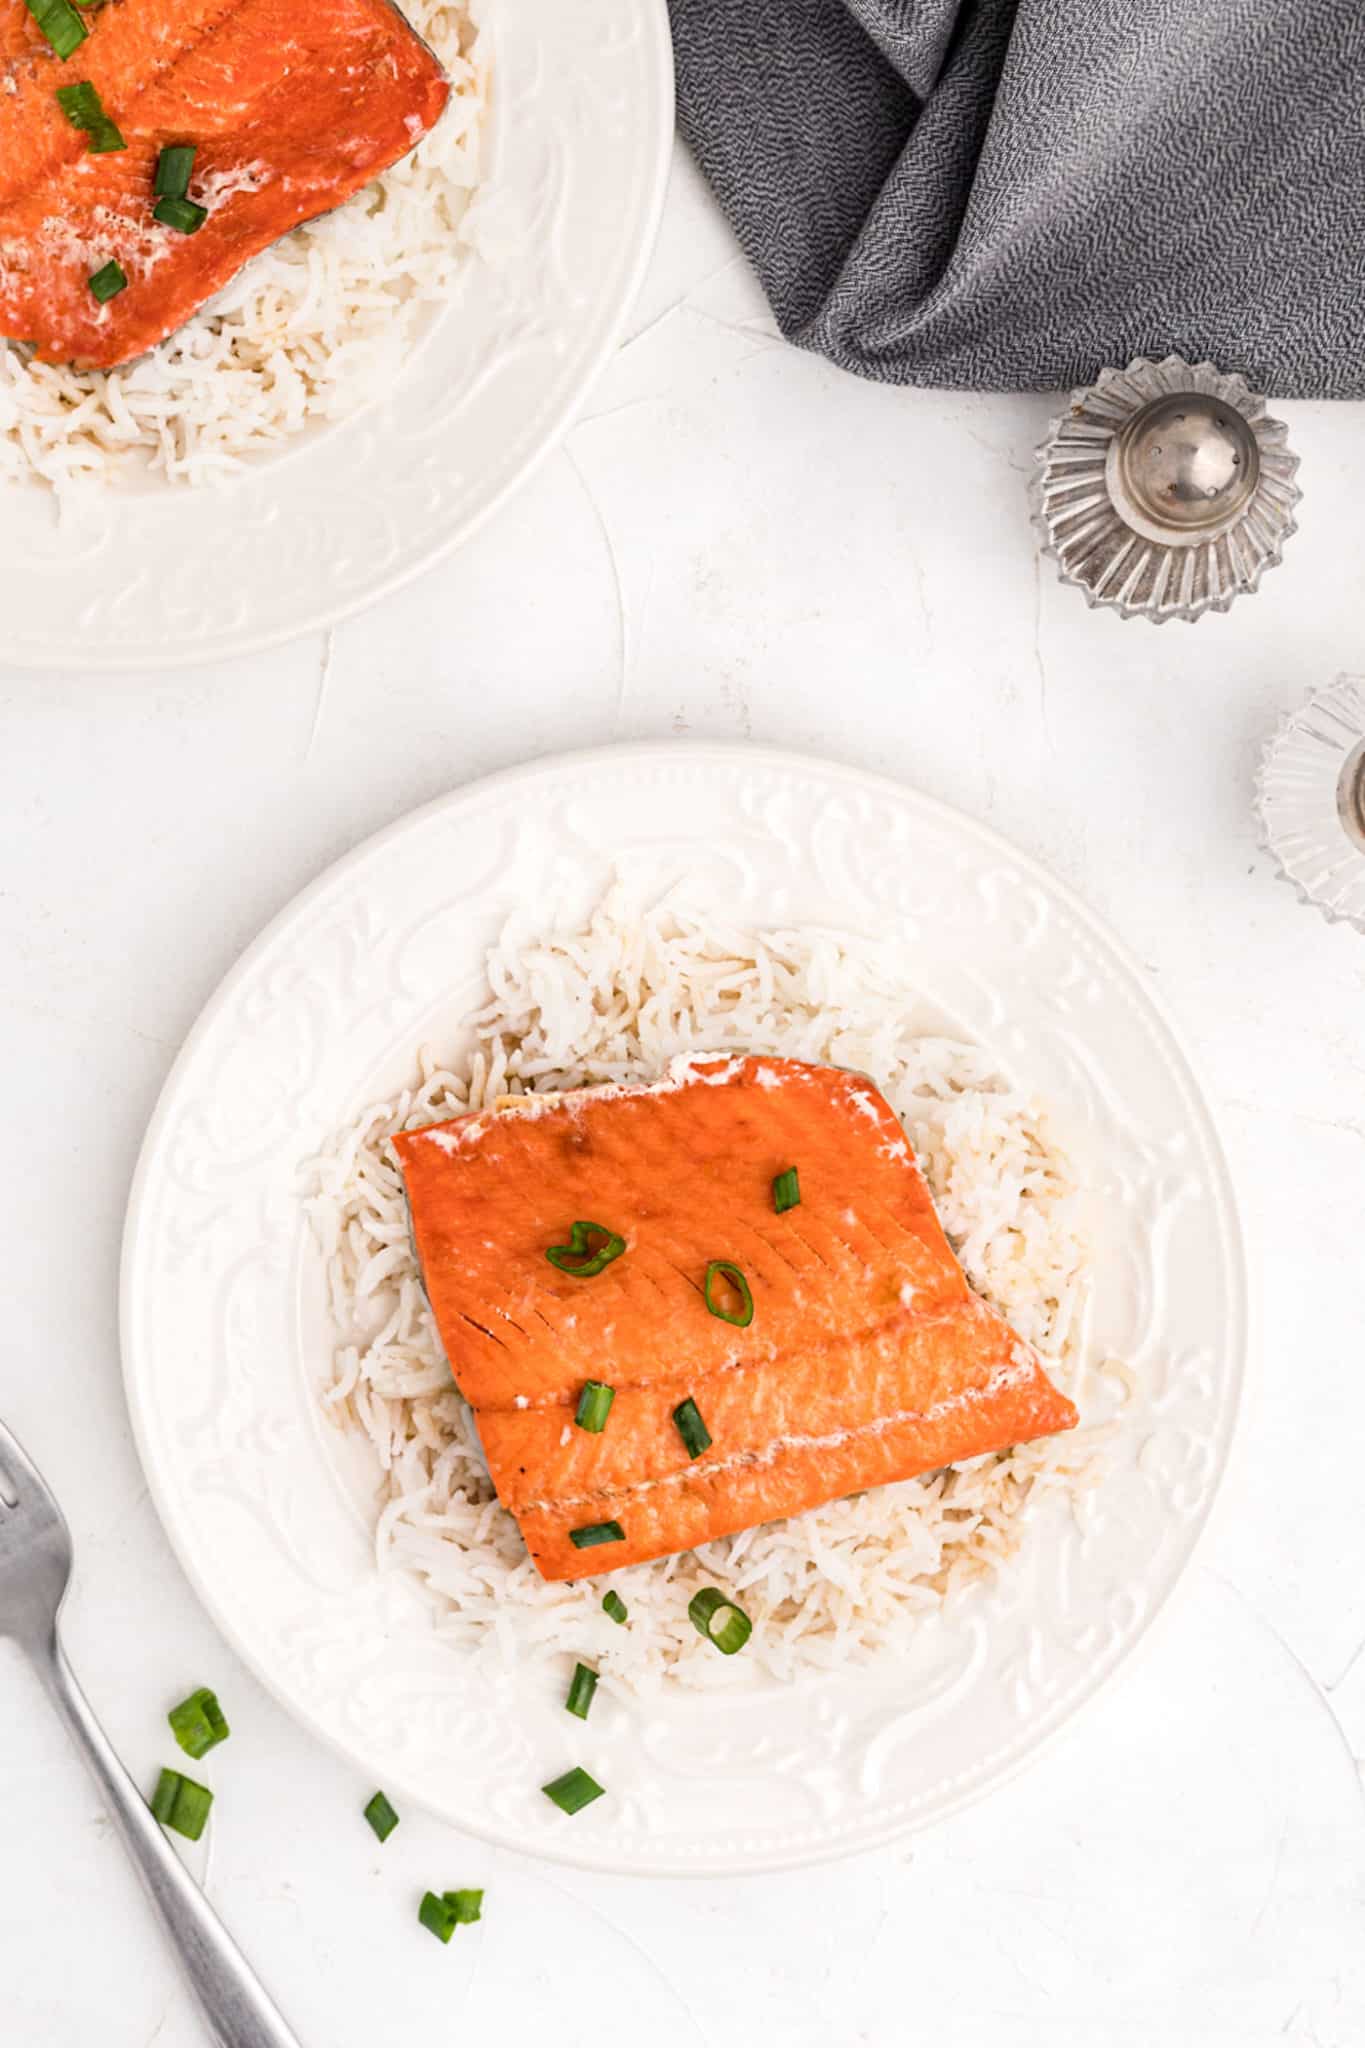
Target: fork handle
[239, 2011]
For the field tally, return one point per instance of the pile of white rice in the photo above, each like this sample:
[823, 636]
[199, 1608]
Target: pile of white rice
[617, 1001]
[311, 330]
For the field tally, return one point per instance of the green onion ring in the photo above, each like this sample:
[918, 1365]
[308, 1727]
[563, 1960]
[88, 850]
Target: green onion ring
[735, 1627]
[577, 1258]
[737, 1280]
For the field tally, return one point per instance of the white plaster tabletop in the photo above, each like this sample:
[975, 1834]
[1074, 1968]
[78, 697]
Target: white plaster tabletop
[738, 542]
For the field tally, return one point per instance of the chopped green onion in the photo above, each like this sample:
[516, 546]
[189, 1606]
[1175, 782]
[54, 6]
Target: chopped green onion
[198, 1724]
[181, 214]
[581, 1689]
[744, 1315]
[437, 1915]
[85, 110]
[181, 1804]
[60, 23]
[615, 1606]
[578, 1257]
[596, 1532]
[173, 170]
[442, 1912]
[381, 1816]
[786, 1191]
[594, 1406]
[693, 1431]
[107, 283]
[573, 1791]
[105, 138]
[80, 103]
[719, 1620]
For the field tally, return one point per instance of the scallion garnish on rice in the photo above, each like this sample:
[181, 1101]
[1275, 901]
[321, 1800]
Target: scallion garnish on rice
[573, 1791]
[579, 1257]
[181, 214]
[198, 1723]
[693, 1431]
[615, 1606]
[594, 1406]
[724, 1270]
[173, 170]
[85, 110]
[60, 23]
[582, 1686]
[593, 1533]
[786, 1191]
[181, 1804]
[109, 281]
[719, 1620]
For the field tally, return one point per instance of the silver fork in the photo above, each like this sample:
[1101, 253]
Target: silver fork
[35, 1567]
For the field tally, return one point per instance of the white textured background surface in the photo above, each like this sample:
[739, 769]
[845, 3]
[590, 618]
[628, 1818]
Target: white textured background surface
[735, 542]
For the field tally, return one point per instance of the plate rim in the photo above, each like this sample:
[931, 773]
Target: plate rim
[722, 754]
[242, 646]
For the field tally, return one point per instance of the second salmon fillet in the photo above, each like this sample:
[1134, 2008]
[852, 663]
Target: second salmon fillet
[289, 110]
[836, 1344]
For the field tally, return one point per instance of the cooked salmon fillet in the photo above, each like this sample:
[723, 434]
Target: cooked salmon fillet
[290, 108]
[868, 1357]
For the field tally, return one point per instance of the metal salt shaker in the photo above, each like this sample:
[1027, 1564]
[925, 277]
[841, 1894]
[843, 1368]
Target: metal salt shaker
[1165, 490]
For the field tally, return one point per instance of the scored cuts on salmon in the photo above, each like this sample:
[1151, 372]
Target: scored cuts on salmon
[290, 108]
[868, 1358]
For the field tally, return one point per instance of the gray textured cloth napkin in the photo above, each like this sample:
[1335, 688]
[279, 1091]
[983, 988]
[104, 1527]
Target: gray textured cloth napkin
[1005, 194]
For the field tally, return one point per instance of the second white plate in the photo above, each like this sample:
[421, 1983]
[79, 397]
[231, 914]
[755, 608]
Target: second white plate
[581, 134]
[225, 1343]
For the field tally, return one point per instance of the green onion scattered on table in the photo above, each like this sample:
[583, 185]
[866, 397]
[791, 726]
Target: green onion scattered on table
[443, 1912]
[594, 1533]
[786, 1191]
[85, 110]
[594, 1406]
[693, 1431]
[108, 282]
[573, 1791]
[615, 1606]
[437, 1915]
[582, 1686]
[198, 1723]
[744, 1314]
[719, 1620]
[181, 214]
[578, 1257]
[173, 169]
[60, 23]
[181, 1804]
[381, 1816]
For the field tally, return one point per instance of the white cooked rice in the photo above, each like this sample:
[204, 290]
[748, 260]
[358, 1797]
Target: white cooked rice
[617, 1001]
[311, 330]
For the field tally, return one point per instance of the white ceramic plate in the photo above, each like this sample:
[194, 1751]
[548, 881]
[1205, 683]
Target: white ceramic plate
[226, 1343]
[581, 131]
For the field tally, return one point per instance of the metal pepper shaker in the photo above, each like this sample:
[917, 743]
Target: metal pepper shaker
[1165, 490]
[1310, 799]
